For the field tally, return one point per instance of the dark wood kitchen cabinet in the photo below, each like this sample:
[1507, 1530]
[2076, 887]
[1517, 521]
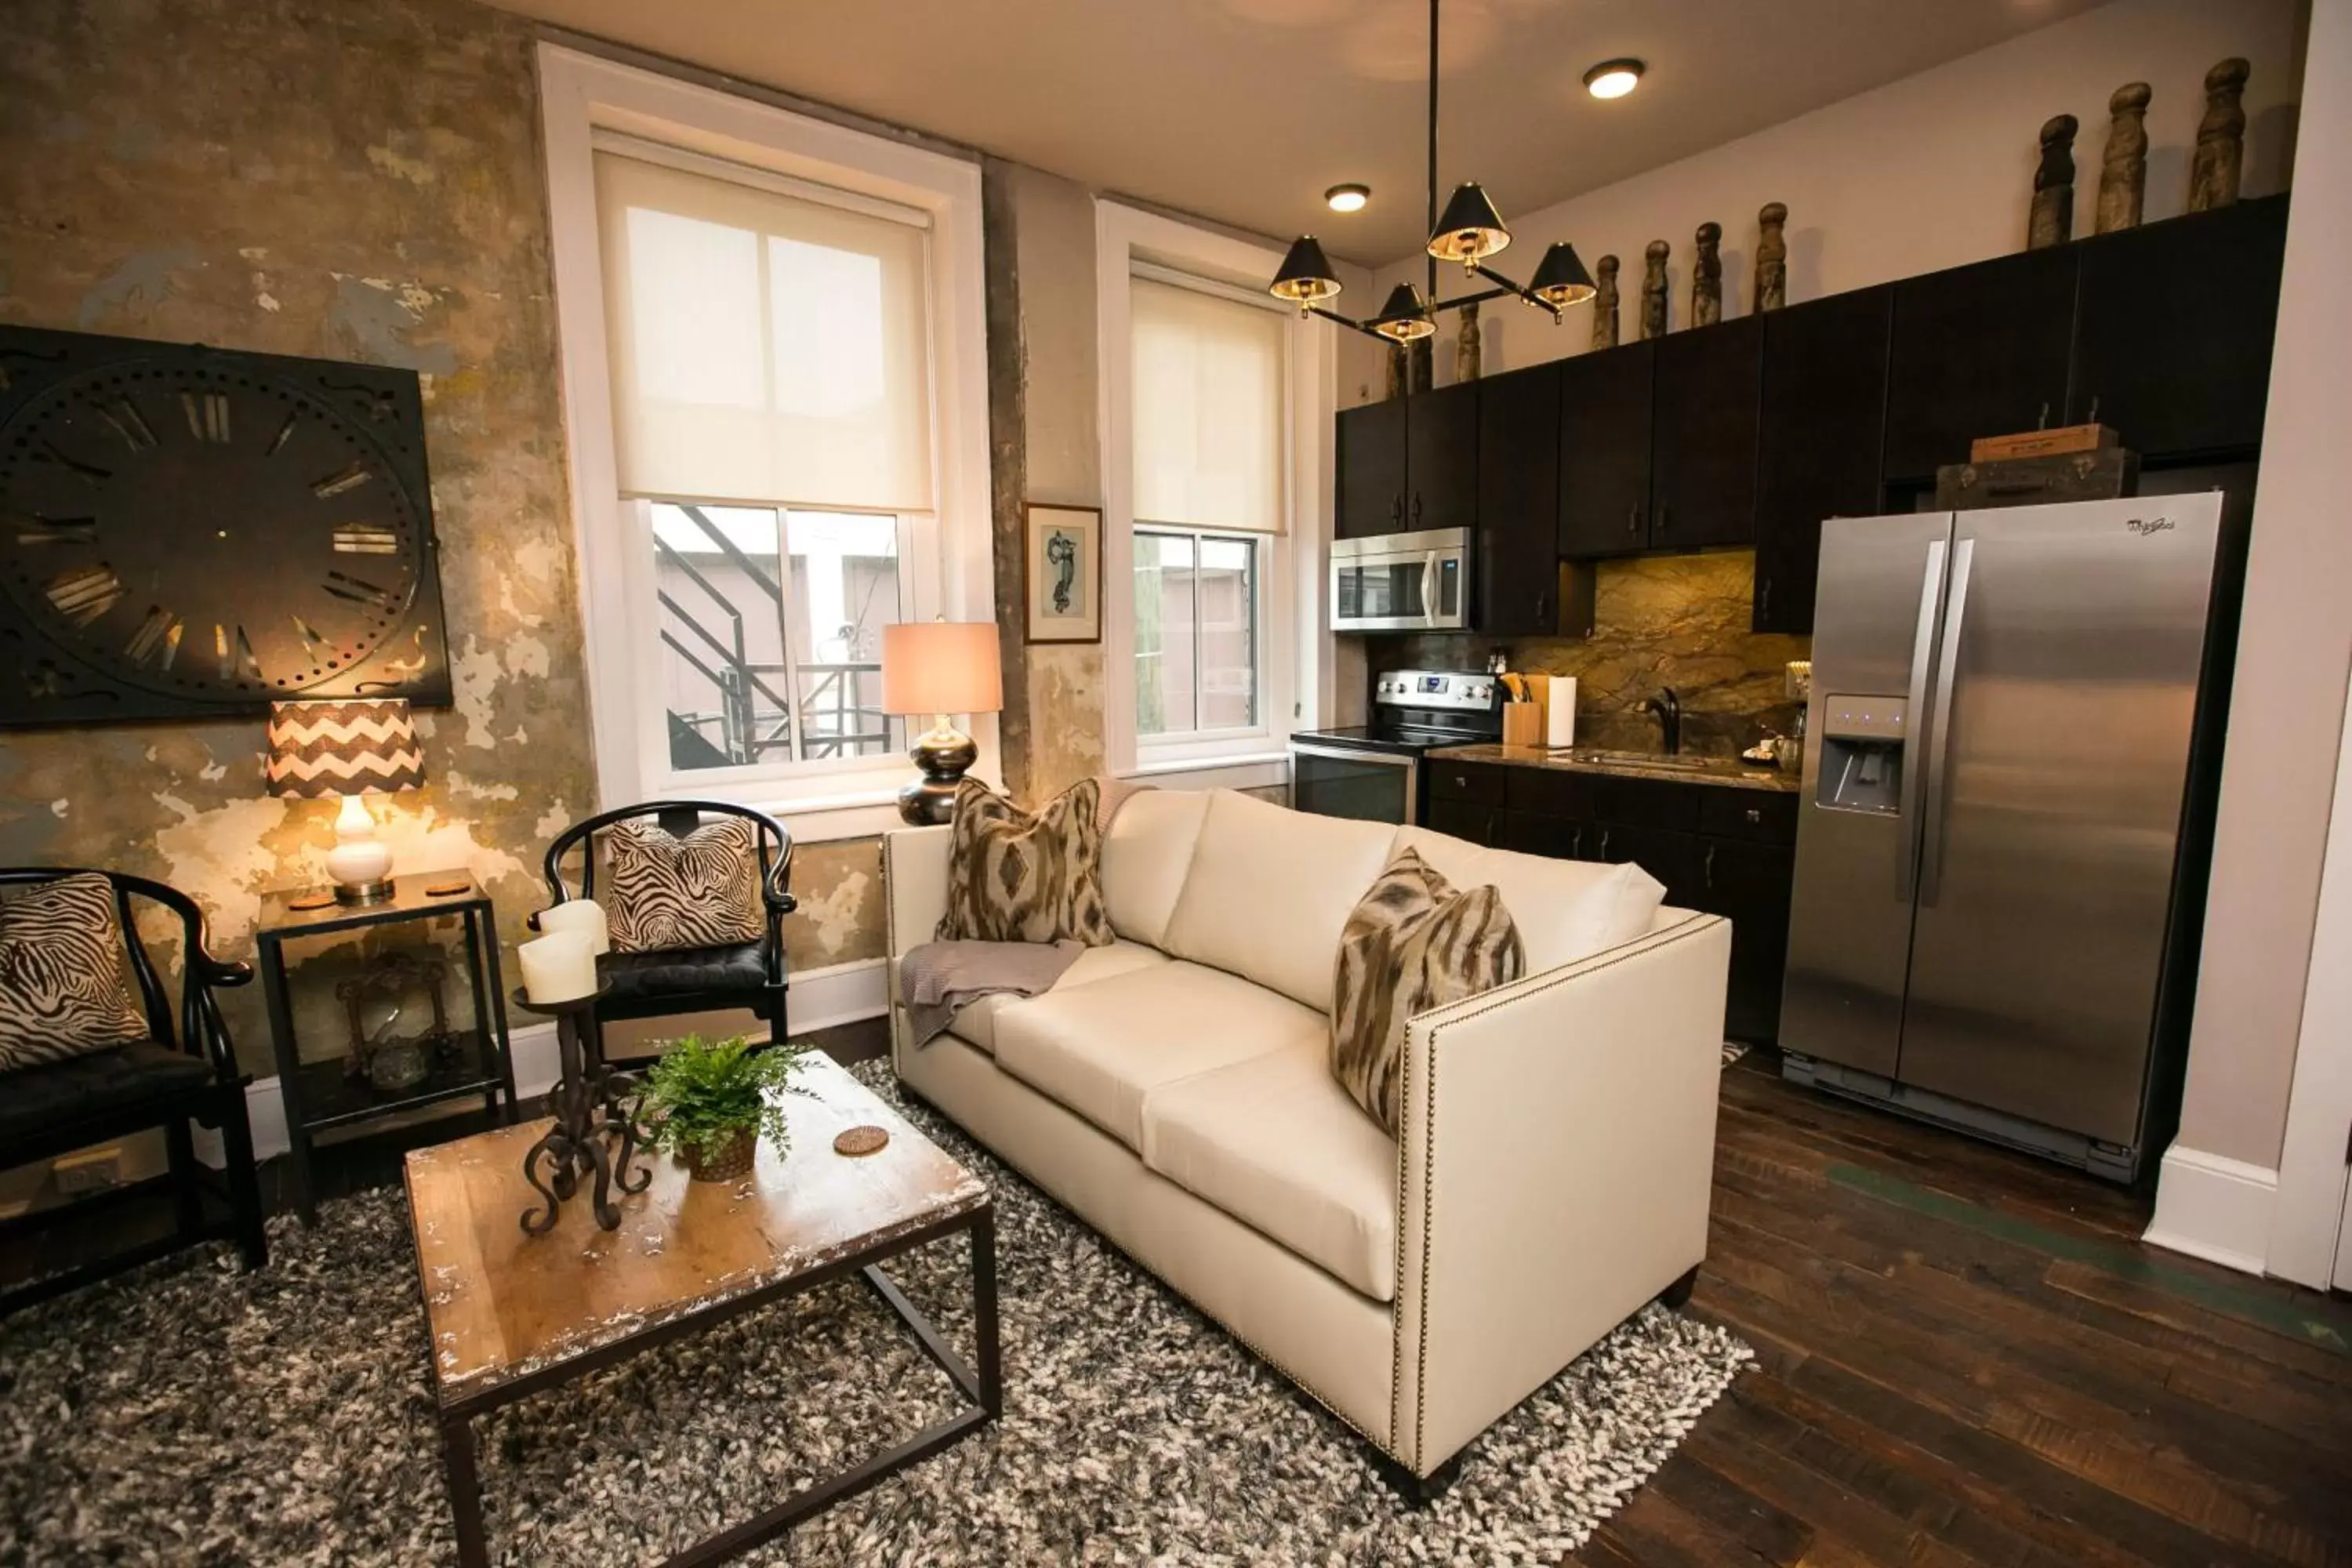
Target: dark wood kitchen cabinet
[1518, 503]
[1748, 884]
[1978, 350]
[1824, 420]
[2172, 342]
[1370, 461]
[1604, 451]
[1440, 466]
[1703, 412]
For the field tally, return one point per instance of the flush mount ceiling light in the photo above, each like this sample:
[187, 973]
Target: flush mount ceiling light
[1613, 78]
[1471, 231]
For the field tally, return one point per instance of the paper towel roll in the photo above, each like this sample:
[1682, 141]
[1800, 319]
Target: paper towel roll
[1559, 712]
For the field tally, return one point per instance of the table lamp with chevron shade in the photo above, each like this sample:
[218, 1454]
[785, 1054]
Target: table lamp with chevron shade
[347, 749]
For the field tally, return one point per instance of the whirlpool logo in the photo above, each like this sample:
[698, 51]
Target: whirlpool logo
[2145, 526]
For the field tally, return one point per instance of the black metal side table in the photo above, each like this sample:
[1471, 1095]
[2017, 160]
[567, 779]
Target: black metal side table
[320, 1096]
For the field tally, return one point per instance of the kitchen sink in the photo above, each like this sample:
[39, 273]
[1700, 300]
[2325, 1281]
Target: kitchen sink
[1638, 759]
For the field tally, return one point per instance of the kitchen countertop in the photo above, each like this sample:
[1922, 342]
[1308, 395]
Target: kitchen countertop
[1727, 770]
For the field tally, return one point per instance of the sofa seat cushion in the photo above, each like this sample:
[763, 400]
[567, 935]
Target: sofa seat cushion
[976, 1025]
[1565, 910]
[1269, 890]
[1275, 1142]
[1104, 1048]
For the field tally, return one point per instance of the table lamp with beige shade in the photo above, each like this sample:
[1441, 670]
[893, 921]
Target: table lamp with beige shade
[365, 746]
[941, 668]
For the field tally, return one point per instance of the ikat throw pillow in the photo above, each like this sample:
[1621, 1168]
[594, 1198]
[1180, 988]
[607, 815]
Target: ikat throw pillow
[701, 891]
[1017, 877]
[1411, 943]
[65, 989]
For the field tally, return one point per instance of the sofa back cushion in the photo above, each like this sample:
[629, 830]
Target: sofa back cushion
[1565, 910]
[1146, 849]
[1270, 890]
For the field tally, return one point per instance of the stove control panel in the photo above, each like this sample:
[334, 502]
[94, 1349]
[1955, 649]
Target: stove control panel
[1459, 690]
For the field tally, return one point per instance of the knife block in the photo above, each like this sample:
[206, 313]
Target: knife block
[1523, 724]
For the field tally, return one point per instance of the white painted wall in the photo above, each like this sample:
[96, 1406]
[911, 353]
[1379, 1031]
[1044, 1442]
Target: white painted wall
[1930, 172]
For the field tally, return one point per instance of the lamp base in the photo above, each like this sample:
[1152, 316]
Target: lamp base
[374, 892]
[944, 755]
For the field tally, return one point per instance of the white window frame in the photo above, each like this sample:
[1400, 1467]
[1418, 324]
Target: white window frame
[1260, 653]
[945, 556]
[1294, 653]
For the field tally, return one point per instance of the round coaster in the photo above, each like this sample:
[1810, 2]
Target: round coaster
[861, 1140]
[446, 889]
[315, 901]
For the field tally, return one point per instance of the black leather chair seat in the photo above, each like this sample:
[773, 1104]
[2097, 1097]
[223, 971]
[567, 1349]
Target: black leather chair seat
[683, 971]
[42, 1099]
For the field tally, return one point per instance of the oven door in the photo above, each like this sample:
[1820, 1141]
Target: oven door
[1370, 787]
[1402, 582]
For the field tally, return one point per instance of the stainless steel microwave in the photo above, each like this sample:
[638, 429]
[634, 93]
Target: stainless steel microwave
[1402, 581]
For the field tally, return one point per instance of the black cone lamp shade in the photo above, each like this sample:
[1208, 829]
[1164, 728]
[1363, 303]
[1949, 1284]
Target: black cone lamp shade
[1560, 280]
[1306, 277]
[1471, 229]
[1404, 319]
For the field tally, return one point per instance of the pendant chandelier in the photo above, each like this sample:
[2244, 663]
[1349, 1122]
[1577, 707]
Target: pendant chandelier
[1470, 231]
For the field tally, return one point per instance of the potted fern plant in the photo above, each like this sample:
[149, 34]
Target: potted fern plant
[710, 1102]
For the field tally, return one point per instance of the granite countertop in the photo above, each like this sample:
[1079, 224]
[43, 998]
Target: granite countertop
[1729, 771]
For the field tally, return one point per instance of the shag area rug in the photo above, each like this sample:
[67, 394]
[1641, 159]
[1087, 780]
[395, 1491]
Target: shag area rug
[189, 1414]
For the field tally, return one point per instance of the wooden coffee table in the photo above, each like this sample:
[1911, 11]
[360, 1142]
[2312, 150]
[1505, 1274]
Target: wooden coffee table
[510, 1314]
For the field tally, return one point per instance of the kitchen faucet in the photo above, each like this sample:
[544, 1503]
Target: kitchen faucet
[1669, 710]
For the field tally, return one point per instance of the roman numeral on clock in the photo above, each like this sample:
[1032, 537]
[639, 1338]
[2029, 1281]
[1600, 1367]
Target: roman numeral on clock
[316, 645]
[207, 414]
[123, 416]
[236, 661]
[367, 539]
[157, 639]
[336, 483]
[32, 528]
[360, 591]
[84, 593]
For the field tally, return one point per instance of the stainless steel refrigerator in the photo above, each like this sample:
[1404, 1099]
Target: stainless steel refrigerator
[1999, 859]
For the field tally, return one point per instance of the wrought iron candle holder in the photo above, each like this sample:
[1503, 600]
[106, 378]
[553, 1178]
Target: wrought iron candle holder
[595, 1132]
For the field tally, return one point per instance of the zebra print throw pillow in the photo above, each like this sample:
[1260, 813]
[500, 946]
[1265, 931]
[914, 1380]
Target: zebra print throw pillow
[1014, 876]
[64, 988]
[701, 891]
[1411, 943]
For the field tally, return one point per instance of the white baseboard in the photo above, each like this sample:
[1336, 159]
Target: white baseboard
[819, 999]
[2213, 1207]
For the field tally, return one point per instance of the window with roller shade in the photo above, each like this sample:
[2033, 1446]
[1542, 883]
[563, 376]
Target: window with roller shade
[1210, 482]
[772, 391]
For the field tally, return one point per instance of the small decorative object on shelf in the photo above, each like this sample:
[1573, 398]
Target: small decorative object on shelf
[1707, 276]
[1421, 361]
[595, 1132]
[1653, 289]
[2122, 174]
[375, 1001]
[1605, 303]
[710, 1103]
[2220, 138]
[2051, 219]
[943, 668]
[1466, 344]
[1772, 256]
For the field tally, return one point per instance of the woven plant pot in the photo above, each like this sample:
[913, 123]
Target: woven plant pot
[732, 1164]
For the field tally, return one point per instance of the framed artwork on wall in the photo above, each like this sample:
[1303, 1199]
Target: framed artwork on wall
[1062, 574]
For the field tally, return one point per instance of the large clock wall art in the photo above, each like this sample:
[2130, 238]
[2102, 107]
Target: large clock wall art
[187, 532]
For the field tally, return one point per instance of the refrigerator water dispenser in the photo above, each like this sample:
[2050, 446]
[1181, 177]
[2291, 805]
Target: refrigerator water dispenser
[1862, 755]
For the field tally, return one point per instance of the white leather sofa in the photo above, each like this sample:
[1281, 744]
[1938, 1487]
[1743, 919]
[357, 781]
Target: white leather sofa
[1173, 1090]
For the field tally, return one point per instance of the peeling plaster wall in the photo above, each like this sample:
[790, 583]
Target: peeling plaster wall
[1043, 384]
[350, 180]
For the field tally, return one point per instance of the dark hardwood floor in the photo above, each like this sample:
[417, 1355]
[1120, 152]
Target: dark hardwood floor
[1964, 1357]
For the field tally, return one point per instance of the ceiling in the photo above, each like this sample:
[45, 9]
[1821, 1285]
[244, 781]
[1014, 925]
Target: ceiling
[1245, 111]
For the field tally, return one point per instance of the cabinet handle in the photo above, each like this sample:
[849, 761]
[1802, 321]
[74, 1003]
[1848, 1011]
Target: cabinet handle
[2093, 416]
[1632, 520]
[1576, 843]
[1604, 842]
[1764, 601]
[2043, 423]
[1666, 519]
[1396, 509]
[1755, 814]
[1708, 870]
[1417, 506]
[1543, 601]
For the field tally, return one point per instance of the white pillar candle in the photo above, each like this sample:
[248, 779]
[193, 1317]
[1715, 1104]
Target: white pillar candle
[558, 968]
[585, 916]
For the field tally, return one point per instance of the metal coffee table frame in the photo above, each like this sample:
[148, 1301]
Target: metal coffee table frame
[983, 1387]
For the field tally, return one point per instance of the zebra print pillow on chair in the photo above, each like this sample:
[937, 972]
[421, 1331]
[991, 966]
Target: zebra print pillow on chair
[64, 991]
[701, 891]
